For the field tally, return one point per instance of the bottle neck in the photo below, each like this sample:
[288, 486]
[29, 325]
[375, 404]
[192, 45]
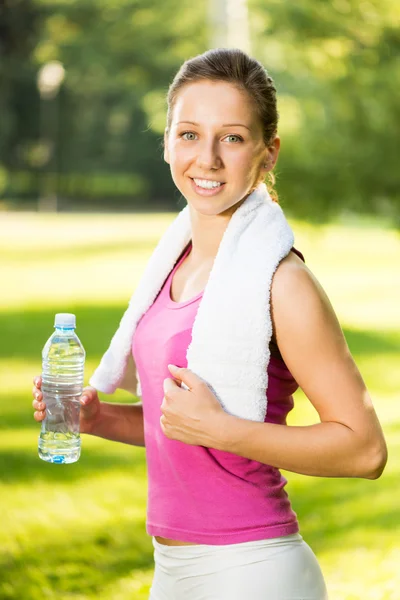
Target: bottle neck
[61, 329]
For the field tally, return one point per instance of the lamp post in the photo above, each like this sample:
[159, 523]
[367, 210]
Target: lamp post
[49, 80]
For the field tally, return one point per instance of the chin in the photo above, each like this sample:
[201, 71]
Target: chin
[210, 207]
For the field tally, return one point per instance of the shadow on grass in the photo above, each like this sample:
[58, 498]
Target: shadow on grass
[21, 465]
[79, 563]
[24, 334]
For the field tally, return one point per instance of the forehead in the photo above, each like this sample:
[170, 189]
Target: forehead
[214, 102]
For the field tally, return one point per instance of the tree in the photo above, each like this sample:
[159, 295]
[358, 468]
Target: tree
[335, 67]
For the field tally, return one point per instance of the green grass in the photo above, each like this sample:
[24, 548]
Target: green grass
[78, 531]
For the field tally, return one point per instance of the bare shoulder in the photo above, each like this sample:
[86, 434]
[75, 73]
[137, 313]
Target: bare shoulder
[312, 342]
[292, 271]
[294, 282]
[293, 287]
[289, 265]
[300, 307]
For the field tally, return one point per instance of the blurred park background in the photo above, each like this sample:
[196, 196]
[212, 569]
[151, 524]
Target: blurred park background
[85, 197]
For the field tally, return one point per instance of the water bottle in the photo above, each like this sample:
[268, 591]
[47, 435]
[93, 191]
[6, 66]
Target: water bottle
[62, 384]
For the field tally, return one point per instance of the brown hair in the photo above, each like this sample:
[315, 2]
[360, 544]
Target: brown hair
[233, 66]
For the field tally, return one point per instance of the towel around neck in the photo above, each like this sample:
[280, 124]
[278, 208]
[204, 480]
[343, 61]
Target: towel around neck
[232, 329]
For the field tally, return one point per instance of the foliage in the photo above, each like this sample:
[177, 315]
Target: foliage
[335, 67]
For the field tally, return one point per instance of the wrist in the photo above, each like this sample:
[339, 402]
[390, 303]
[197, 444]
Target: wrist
[226, 426]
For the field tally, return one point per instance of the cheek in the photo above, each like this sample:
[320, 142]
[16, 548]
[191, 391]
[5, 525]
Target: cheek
[243, 155]
[180, 155]
[244, 162]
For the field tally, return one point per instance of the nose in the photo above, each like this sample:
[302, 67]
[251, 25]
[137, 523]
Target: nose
[208, 156]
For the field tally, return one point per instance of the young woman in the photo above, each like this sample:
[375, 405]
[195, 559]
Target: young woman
[225, 325]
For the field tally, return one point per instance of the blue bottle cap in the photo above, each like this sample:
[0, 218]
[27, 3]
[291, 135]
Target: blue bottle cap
[65, 320]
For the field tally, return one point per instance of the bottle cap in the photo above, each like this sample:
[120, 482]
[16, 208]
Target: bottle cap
[65, 320]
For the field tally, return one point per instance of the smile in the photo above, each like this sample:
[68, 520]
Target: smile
[207, 187]
[207, 183]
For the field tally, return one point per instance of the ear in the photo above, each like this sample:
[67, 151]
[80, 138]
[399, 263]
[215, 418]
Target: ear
[166, 152]
[271, 155]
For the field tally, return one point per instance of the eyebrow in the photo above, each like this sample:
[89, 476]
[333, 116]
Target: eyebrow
[225, 124]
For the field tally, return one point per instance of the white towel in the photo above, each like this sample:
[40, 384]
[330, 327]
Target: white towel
[232, 329]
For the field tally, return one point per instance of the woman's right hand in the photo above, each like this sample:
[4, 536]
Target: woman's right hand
[89, 401]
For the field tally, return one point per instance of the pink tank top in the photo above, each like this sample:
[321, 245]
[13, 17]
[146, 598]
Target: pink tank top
[198, 494]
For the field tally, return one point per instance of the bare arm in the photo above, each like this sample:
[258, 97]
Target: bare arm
[348, 442]
[119, 423]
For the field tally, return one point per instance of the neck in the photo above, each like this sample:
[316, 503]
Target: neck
[207, 233]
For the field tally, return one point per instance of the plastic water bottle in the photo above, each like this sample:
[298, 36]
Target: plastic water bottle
[62, 384]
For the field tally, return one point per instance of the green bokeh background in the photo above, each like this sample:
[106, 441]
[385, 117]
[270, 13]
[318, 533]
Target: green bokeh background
[97, 143]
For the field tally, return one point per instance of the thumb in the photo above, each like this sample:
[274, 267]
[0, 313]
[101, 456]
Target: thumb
[88, 395]
[185, 375]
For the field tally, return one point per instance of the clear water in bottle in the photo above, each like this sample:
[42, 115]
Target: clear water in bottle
[63, 362]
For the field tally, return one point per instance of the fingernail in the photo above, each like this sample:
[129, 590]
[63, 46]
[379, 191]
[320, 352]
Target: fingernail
[84, 400]
[37, 395]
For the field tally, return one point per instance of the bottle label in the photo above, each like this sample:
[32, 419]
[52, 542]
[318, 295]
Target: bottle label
[58, 459]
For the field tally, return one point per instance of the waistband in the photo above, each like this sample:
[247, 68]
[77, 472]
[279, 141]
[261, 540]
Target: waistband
[200, 549]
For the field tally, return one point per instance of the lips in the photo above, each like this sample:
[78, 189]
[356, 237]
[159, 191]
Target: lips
[200, 191]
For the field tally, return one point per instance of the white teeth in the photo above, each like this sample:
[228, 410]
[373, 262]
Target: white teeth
[205, 183]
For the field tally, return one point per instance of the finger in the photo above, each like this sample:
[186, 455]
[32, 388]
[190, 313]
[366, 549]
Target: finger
[185, 375]
[164, 406]
[37, 393]
[38, 405]
[39, 415]
[170, 386]
[163, 423]
[37, 381]
[89, 393]
[86, 398]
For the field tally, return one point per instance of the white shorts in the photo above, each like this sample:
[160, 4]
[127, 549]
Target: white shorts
[283, 568]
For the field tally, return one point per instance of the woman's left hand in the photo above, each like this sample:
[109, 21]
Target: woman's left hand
[192, 416]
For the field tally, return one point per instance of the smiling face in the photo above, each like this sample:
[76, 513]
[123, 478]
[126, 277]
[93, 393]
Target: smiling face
[215, 146]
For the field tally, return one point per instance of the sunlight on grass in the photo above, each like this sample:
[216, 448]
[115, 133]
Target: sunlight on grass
[354, 265]
[28, 231]
[378, 582]
[79, 530]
